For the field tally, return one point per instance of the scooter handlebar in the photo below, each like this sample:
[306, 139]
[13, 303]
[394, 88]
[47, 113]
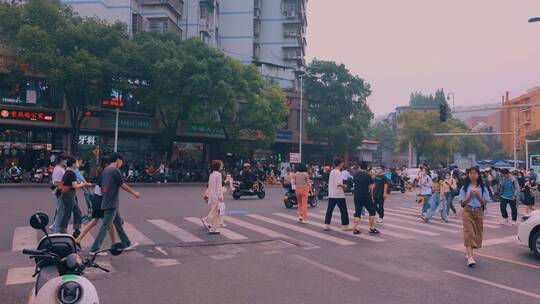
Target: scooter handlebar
[33, 252]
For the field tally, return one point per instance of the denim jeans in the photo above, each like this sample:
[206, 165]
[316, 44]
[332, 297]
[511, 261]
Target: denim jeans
[69, 206]
[111, 216]
[449, 202]
[88, 200]
[435, 202]
[426, 205]
[59, 214]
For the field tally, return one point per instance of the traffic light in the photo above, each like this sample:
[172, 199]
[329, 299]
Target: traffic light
[279, 158]
[442, 113]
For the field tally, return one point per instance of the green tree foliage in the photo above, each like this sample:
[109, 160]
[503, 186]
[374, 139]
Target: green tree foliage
[80, 57]
[418, 99]
[384, 133]
[339, 114]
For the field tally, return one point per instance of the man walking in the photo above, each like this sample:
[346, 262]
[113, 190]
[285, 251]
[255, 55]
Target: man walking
[363, 198]
[111, 182]
[336, 196]
[57, 175]
[509, 194]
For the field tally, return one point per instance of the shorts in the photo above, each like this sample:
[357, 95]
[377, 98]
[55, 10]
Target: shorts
[363, 201]
[97, 213]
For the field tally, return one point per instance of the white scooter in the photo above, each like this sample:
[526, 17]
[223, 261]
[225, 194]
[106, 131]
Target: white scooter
[59, 268]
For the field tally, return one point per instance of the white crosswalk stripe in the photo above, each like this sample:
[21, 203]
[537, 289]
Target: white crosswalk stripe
[320, 225]
[302, 230]
[136, 236]
[416, 217]
[404, 228]
[175, 231]
[451, 222]
[231, 235]
[393, 218]
[24, 237]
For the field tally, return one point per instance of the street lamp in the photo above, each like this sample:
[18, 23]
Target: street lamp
[300, 74]
[534, 19]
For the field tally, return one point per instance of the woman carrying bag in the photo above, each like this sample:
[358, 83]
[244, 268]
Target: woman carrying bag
[215, 197]
[302, 185]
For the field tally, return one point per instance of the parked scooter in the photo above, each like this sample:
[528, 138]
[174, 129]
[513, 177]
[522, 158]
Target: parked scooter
[59, 269]
[289, 199]
[15, 174]
[40, 175]
[397, 185]
[257, 189]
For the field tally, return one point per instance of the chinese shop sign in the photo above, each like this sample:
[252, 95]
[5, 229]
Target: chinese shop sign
[27, 115]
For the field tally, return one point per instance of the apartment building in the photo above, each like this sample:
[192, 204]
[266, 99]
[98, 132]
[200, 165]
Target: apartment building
[523, 120]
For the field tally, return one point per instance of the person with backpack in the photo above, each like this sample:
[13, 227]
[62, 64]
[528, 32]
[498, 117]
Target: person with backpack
[473, 196]
[509, 192]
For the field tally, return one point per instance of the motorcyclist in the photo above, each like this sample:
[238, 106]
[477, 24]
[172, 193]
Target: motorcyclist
[14, 170]
[247, 176]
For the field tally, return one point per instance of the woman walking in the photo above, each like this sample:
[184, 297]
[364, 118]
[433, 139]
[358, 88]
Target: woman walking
[302, 186]
[530, 188]
[215, 199]
[473, 196]
[449, 190]
[97, 214]
[68, 187]
[425, 183]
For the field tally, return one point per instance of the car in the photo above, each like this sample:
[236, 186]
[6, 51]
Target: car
[529, 232]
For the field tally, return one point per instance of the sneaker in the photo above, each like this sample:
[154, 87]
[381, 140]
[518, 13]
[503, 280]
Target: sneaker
[444, 221]
[471, 262]
[374, 231]
[301, 220]
[346, 228]
[213, 231]
[327, 228]
[131, 246]
[98, 254]
[356, 231]
[514, 223]
[205, 223]
[76, 233]
[379, 220]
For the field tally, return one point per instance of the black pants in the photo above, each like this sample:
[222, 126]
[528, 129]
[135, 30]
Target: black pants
[379, 205]
[342, 204]
[71, 206]
[513, 207]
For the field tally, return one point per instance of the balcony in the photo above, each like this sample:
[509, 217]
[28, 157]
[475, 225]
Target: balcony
[175, 6]
[293, 54]
[163, 24]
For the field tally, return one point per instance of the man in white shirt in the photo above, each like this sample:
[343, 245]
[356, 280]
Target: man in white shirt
[346, 175]
[336, 196]
[56, 178]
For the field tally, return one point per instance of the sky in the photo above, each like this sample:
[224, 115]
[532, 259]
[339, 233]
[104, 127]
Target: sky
[476, 49]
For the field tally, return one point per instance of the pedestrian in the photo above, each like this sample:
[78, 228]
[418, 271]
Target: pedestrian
[111, 182]
[450, 190]
[56, 178]
[97, 212]
[520, 177]
[68, 194]
[363, 198]
[87, 194]
[302, 187]
[380, 192]
[437, 200]
[161, 172]
[215, 197]
[531, 187]
[336, 196]
[473, 196]
[509, 193]
[425, 183]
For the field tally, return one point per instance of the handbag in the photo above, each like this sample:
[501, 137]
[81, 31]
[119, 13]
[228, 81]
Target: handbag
[205, 196]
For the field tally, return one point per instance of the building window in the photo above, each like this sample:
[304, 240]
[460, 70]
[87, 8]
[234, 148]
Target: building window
[159, 25]
[203, 10]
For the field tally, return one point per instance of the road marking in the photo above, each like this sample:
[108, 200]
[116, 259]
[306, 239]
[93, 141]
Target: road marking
[489, 242]
[522, 292]
[20, 275]
[402, 228]
[163, 262]
[231, 235]
[392, 217]
[327, 268]
[487, 223]
[496, 257]
[175, 231]
[302, 230]
[135, 235]
[320, 225]
[24, 238]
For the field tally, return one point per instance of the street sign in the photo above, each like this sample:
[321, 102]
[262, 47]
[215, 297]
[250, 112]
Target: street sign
[294, 158]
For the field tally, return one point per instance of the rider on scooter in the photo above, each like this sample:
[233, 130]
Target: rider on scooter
[247, 176]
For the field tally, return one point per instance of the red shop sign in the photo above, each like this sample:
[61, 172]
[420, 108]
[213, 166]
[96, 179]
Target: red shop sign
[27, 115]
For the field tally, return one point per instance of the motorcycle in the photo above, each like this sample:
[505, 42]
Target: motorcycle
[40, 175]
[256, 189]
[396, 185]
[321, 188]
[59, 269]
[289, 199]
[15, 175]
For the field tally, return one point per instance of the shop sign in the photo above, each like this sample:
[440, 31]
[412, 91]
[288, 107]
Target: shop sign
[27, 115]
[113, 103]
[195, 128]
[88, 140]
[283, 134]
[130, 123]
[11, 100]
[294, 158]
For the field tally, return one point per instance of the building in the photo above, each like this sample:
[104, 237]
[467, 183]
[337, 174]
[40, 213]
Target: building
[486, 123]
[522, 120]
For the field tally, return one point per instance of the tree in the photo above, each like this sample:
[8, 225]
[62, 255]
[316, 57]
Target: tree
[339, 114]
[386, 136]
[80, 57]
[420, 100]
[418, 129]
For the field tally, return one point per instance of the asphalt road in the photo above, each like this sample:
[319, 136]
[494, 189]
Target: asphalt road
[267, 257]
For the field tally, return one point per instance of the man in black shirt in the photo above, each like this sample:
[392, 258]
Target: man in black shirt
[363, 198]
[380, 191]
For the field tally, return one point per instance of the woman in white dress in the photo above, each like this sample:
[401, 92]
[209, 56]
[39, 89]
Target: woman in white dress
[214, 219]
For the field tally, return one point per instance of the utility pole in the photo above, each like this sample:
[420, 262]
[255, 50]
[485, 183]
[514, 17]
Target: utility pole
[516, 124]
[301, 114]
[116, 129]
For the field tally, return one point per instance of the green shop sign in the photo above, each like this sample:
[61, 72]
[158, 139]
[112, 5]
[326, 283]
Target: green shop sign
[130, 123]
[195, 128]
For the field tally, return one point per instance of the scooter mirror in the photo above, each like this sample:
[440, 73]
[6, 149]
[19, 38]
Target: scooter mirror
[39, 220]
[117, 248]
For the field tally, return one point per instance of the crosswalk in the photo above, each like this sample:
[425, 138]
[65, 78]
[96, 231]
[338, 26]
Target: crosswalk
[400, 224]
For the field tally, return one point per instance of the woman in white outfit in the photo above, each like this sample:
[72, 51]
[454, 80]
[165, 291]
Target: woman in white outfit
[215, 199]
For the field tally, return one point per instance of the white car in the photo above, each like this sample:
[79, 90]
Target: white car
[529, 232]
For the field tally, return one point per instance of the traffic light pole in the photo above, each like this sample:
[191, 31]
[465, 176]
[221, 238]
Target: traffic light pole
[116, 129]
